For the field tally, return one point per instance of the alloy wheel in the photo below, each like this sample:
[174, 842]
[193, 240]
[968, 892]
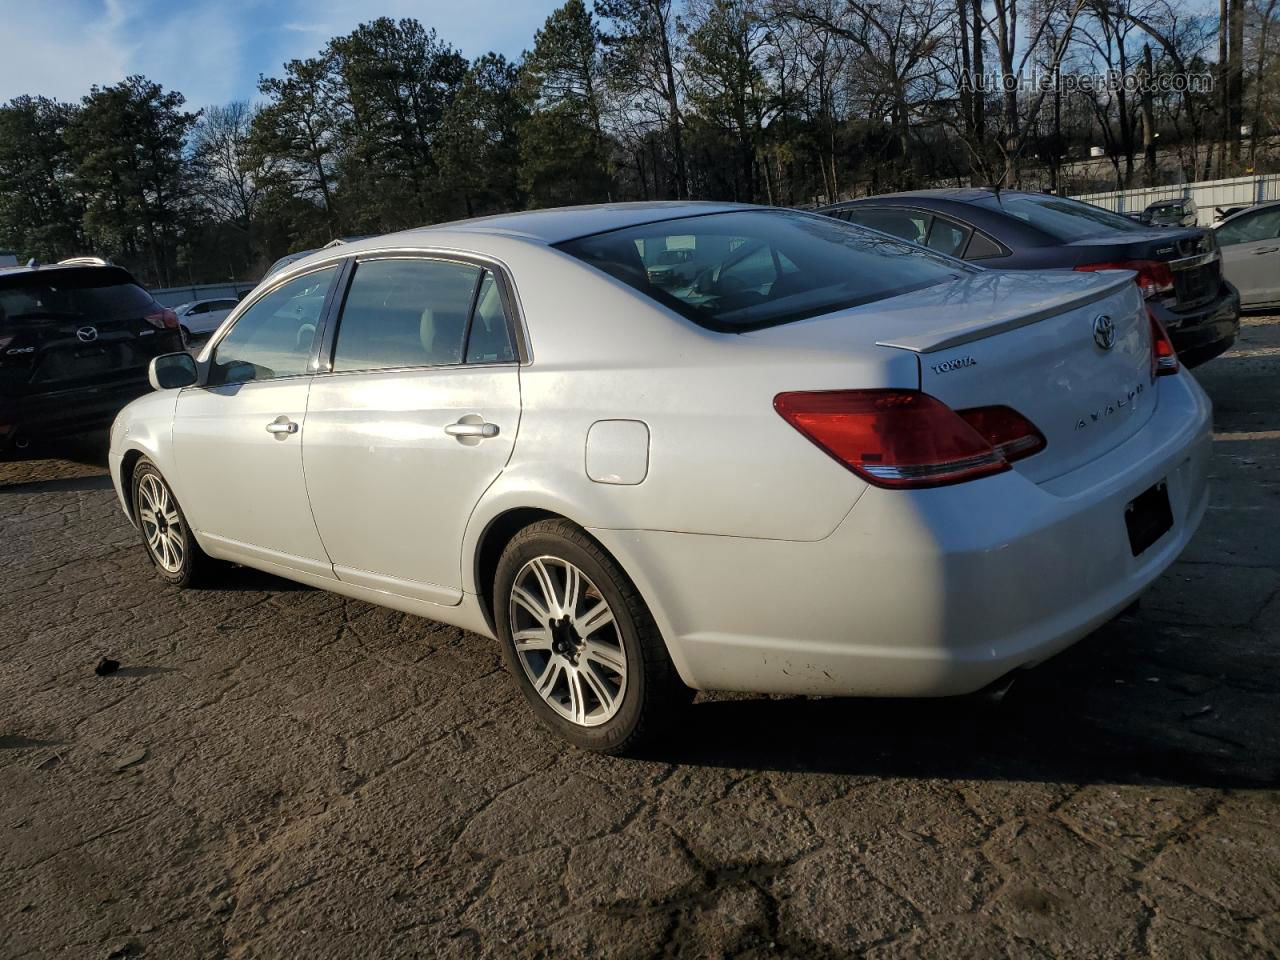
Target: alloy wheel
[161, 523]
[567, 641]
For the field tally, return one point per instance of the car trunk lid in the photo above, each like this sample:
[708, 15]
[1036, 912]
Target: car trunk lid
[1025, 340]
[1191, 254]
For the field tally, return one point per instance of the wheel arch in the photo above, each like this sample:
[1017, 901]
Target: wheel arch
[500, 529]
[128, 464]
[493, 540]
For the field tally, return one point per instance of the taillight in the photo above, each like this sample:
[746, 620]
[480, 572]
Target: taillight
[163, 319]
[904, 438]
[1011, 434]
[1154, 276]
[1164, 359]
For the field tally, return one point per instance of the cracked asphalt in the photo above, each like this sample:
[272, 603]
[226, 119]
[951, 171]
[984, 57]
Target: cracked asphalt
[278, 772]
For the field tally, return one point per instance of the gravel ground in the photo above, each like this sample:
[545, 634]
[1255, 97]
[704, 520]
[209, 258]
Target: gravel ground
[276, 771]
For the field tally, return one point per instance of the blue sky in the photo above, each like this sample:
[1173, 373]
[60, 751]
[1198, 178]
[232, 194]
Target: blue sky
[214, 50]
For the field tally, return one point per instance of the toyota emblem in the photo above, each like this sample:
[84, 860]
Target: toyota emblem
[1104, 332]
[87, 334]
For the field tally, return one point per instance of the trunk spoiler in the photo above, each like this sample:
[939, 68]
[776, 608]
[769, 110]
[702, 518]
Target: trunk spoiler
[946, 336]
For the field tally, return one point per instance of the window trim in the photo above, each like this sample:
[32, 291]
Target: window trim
[328, 339]
[207, 361]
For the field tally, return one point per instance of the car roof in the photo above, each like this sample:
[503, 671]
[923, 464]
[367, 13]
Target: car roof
[543, 227]
[559, 224]
[12, 271]
[1250, 208]
[958, 194]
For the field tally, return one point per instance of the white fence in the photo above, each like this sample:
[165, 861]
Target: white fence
[1207, 194]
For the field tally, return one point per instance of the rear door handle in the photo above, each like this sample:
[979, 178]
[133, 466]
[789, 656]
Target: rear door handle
[1266, 250]
[282, 426]
[481, 429]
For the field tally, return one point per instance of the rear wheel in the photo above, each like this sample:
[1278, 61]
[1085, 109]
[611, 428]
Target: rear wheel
[580, 642]
[168, 538]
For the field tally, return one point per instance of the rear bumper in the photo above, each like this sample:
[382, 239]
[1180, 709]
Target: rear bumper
[1203, 333]
[932, 592]
[61, 412]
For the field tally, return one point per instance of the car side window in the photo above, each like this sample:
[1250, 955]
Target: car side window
[981, 247]
[490, 338]
[406, 313]
[908, 224]
[948, 237]
[1261, 225]
[275, 336]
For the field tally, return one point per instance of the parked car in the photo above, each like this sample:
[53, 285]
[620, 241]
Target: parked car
[75, 342]
[1178, 268]
[1178, 212]
[1250, 244]
[836, 463]
[1221, 213]
[199, 318]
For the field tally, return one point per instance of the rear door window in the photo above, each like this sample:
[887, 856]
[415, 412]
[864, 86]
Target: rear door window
[489, 340]
[406, 313]
[910, 225]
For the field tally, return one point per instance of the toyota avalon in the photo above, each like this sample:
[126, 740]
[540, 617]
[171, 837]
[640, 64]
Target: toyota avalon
[814, 460]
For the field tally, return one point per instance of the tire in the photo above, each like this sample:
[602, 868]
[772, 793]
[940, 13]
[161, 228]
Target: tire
[168, 539]
[607, 681]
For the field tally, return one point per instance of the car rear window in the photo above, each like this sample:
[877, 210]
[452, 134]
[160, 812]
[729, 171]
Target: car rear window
[748, 269]
[1061, 218]
[102, 295]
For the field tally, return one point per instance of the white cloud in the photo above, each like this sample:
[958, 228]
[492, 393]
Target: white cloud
[61, 49]
[214, 50]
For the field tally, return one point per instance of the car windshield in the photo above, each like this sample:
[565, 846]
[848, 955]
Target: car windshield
[1061, 218]
[749, 269]
[90, 294]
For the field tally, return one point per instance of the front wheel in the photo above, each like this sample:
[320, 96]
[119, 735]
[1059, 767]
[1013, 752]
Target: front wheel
[168, 538]
[580, 642]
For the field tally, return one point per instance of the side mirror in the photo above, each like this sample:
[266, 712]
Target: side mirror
[172, 370]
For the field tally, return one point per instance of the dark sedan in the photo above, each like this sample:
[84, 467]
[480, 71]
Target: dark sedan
[1178, 268]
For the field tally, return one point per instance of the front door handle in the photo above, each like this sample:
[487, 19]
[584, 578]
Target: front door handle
[282, 426]
[1266, 250]
[481, 429]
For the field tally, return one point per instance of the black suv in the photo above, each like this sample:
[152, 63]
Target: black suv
[75, 343]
